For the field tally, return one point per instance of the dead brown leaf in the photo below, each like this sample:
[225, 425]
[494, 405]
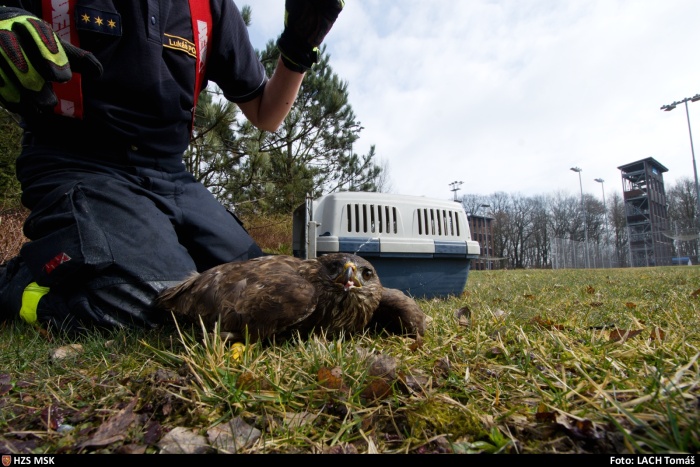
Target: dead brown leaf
[331, 378]
[131, 449]
[181, 440]
[383, 366]
[622, 335]
[464, 316]
[114, 429]
[546, 417]
[578, 429]
[233, 436]
[441, 367]
[377, 389]
[415, 382]
[52, 416]
[631, 305]
[417, 343]
[66, 351]
[657, 334]
[546, 323]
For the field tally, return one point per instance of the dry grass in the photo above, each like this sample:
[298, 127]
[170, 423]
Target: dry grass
[11, 236]
[272, 233]
[602, 361]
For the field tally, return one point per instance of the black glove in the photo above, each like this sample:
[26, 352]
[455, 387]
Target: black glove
[306, 23]
[32, 56]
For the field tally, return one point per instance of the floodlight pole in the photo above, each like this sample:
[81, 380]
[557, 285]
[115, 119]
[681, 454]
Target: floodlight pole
[607, 233]
[668, 108]
[455, 188]
[583, 210]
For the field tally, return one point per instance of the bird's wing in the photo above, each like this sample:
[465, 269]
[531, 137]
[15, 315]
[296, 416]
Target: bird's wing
[263, 297]
[398, 313]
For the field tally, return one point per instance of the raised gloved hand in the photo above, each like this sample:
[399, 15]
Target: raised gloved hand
[306, 23]
[32, 56]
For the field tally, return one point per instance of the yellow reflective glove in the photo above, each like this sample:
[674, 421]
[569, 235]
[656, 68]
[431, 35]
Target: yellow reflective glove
[32, 56]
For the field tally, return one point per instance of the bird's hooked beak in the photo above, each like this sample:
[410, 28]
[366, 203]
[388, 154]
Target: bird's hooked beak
[348, 277]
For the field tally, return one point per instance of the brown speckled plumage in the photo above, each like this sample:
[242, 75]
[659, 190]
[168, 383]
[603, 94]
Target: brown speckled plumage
[274, 297]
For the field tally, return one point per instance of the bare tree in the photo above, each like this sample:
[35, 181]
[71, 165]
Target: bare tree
[618, 228]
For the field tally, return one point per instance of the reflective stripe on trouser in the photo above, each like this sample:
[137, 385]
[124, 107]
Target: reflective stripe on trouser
[30, 300]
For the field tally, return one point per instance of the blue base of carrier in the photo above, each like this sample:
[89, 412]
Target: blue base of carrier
[422, 277]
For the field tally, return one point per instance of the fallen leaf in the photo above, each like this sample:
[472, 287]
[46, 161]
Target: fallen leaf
[463, 316]
[417, 343]
[630, 305]
[331, 378]
[578, 429]
[114, 429]
[131, 449]
[66, 351]
[417, 383]
[499, 314]
[181, 440]
[657, 333]
[621, 335]
[383, 366]
[233, 436]
[378, 388]
[153, 432]
[441, 368]
[52, 416]
[545, 417]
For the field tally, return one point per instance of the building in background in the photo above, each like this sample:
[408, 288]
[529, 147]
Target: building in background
[481, 228]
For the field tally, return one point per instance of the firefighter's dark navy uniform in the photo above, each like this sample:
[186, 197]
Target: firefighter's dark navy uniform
[115, 217]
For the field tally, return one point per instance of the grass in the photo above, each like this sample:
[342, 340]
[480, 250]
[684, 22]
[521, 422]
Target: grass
[569, 361]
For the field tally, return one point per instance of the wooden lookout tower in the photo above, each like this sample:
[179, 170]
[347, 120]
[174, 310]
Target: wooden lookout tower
[646, 212]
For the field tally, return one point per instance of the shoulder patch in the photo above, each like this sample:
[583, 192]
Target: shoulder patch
[91, 19]
[179, 43]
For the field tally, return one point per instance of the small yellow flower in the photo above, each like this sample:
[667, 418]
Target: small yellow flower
[237, 350]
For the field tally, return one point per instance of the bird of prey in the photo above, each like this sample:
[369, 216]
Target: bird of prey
[272, 298]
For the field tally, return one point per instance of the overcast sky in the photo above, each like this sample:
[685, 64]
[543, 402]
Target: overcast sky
[509, 95]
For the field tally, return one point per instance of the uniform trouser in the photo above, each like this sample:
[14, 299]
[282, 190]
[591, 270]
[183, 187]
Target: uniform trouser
[107, 240]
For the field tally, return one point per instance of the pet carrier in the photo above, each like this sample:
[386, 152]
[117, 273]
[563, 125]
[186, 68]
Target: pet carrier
[419, 245]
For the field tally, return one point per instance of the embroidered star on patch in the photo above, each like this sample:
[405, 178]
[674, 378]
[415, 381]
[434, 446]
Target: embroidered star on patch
[92, 19]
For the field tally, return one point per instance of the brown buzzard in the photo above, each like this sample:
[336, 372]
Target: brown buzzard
[271, 298]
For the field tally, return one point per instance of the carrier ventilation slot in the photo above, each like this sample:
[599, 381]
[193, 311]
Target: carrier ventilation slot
[438, 222]
[370, 218]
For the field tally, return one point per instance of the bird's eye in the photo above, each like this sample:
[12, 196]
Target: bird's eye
[367, 274]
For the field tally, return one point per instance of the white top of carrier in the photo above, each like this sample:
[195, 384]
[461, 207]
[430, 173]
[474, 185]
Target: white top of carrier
[400, 223]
